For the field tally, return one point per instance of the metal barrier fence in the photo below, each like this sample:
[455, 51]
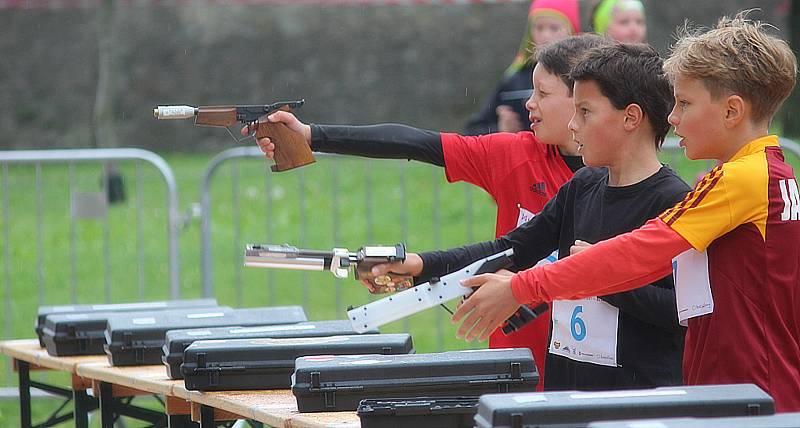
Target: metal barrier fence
[79, 201]
[36, 208]
[325, 211]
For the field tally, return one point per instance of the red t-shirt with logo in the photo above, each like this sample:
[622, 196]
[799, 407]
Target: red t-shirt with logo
[519, 172]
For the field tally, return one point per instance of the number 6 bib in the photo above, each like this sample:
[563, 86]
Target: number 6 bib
[585, 330]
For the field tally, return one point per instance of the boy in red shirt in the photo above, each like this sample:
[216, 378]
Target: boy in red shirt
[521, 171]
[732, 242]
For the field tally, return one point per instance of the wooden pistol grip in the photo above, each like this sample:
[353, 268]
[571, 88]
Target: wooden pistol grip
[291, 148]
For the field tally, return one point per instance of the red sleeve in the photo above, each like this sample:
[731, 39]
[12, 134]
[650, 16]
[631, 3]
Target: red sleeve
[474, 159]
[622, 263]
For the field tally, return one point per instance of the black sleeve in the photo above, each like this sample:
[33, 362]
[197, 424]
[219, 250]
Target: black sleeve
[531, 241]
[654, 304]
[384, 141]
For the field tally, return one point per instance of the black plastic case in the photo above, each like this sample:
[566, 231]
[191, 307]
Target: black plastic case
[578, 409]
[339, 383]
[133, 340]
[428, 412]
[219, 365]
[779, 420]
[83, 332]
[178, 340]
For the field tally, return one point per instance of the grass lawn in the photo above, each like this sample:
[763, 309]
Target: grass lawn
[343, 202]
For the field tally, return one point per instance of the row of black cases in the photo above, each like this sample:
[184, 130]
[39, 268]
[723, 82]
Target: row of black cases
[564, 409]
[178, 340]
[79, 329]
[138, 339]
[238, 364]
[339, 383]
[429, 412]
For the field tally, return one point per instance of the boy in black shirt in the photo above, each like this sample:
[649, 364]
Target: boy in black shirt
[625, 340]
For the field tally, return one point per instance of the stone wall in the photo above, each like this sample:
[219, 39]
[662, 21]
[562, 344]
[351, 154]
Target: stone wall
[427, 65]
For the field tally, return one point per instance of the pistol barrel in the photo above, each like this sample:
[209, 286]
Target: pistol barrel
[174, 112]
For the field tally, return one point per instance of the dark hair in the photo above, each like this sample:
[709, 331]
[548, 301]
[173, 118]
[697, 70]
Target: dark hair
[559, 57]
[631, 73]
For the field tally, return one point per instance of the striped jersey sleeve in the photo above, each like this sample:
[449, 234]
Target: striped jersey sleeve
[730, 195]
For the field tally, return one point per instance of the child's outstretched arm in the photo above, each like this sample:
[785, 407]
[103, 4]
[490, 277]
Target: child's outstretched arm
[646, 254]
[384, 141]
[622, 263]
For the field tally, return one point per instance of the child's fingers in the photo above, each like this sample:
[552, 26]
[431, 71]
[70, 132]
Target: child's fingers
[475, 281]
[385, 268]
[369, 285]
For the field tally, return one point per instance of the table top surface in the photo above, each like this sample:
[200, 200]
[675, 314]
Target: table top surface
[28, 350]
[273, 407]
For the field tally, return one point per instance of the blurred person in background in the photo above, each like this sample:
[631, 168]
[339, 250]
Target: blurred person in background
[620, 20]
[548, 21]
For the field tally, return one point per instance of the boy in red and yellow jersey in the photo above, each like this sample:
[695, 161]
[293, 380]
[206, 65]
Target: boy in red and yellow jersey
[733, 241]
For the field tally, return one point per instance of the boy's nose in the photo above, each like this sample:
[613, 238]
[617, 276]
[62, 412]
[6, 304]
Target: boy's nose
[673, 118]
[529, 105]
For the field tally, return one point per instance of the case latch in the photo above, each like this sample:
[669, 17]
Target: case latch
[315, 382]
[201, 360]
[516, 420]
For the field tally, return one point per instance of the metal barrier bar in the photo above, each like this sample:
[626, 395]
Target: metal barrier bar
[337, 283]
[206, 260]
[237, 245]
[39, 246]
[7, 314]
[106, 258]
[269, 221]
[73, 259]
[303, 235]
[38, 157]
[139, 236]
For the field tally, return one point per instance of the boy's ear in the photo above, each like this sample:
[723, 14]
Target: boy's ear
[735, 110]
[633, 117]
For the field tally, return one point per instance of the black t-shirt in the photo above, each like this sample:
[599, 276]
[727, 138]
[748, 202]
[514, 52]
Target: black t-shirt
[650, 340]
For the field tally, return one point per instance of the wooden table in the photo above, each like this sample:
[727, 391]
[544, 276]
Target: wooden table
[276, 408]
[26, 356]
[112, 384]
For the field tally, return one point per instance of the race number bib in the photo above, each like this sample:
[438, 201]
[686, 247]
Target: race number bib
[692, 286]
[524, 217]
[585, 330]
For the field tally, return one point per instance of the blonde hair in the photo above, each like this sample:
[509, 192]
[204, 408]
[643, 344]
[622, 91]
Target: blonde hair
[737, 57]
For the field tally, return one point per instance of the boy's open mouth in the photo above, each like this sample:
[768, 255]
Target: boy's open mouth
[680, 140]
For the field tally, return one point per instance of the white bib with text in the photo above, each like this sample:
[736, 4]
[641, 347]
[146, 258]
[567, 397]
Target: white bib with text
[524, 216]
[692, 286]
[585, 330]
